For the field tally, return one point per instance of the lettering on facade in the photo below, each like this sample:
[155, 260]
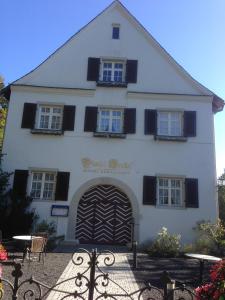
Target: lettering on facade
[110, 166]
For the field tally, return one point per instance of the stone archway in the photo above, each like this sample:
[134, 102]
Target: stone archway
[104, 216]
[71, 228]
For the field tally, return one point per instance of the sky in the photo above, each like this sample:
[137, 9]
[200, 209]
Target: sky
[192, 31]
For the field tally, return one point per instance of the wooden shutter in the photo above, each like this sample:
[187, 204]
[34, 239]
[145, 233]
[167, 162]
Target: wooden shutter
[90, 122]
[191, 192]
[149, 190]
[131, 71]
[68, 117]
[129, 120]
[93, 69]
[62, 186]
[150, 121]
[29, 113]
[20, 183]
[190, 123]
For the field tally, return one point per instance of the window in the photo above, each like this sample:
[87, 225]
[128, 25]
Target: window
[170, 191]
[116, 32]
[170, 123]
[43, 185]
[110, 120]
[50, 117]
[113, 71]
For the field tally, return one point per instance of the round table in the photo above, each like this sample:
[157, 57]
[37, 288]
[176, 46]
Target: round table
[202, 258]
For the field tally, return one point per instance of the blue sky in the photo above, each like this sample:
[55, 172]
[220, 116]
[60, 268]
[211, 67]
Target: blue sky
[192, 31]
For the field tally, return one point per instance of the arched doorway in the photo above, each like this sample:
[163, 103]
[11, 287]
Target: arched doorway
[104, 216]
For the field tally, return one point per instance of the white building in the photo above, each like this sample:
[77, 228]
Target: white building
[110, 129]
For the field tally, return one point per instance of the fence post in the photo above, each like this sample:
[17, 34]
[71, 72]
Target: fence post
[134, 254]
[168, 286]
[92, 274]
[16, 273]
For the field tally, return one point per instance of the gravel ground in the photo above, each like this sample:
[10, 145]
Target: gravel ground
[47, 273]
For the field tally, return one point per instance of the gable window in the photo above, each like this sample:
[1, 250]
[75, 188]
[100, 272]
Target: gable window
[109, 72]
[116, 32]
[110, 120]
[50, 117]
[170, 191]
[112, 71]
[170, 123]
[43, 185]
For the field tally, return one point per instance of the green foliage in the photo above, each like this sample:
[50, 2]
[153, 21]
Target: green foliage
[44, 226]
[221, 197]
[211, 237]
[165, 245]
[16, 218]
[3, 114]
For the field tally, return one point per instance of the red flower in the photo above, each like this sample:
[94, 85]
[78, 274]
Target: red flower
[3, 253]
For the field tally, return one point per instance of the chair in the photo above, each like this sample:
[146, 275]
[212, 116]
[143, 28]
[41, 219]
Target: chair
[37, 247]
[43, 234]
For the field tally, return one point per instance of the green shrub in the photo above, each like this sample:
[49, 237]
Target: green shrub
[44, 226]
[211, 237]
[165, 245]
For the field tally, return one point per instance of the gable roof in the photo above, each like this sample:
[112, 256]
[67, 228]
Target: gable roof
[218, 103]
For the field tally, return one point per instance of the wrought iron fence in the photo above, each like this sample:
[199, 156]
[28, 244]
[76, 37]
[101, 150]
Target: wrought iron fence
[91, 283]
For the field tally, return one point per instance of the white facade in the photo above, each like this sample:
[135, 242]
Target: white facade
[162, 85]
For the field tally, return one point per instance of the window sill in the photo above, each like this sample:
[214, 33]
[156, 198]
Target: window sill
[110, 135]
[170, 207]
[42, 200]
[112, 84]
[47, 131]
[170, 138]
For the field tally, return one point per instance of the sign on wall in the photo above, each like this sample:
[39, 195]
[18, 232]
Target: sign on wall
[109, 166]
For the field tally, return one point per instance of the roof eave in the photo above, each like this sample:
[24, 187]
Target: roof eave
[217, 104]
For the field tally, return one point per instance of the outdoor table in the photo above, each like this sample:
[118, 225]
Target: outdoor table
[27, 239]
[202, 258]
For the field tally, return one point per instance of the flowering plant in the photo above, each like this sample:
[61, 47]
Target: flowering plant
[3, 256]
[216, 289]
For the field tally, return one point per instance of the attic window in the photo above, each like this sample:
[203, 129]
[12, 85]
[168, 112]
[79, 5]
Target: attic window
[115, 32]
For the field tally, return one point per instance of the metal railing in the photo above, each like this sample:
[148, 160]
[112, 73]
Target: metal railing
[91, 283]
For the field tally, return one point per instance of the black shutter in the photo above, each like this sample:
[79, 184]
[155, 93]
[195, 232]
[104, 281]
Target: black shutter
[93, 69]
[149, 190]
[190, 123]
[191, 192]
[90, 122]
[131, 71]
[29, 113]
[68, 117]
[150, 121]
[62, 186]
[20, 183]
[129, 120]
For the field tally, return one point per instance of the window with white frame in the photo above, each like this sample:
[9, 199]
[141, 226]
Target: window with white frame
[113, 71]
[170, 123]
[110, 120]
[170, 191]
[43, 185]
[49, 117]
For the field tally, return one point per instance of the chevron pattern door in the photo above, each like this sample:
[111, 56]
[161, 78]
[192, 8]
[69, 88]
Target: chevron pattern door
[104, 216]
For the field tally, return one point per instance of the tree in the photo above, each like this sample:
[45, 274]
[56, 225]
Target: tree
[221, 197]
[16, 218]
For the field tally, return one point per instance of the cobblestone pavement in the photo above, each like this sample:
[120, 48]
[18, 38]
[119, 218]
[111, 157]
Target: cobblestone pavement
[120, 273]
